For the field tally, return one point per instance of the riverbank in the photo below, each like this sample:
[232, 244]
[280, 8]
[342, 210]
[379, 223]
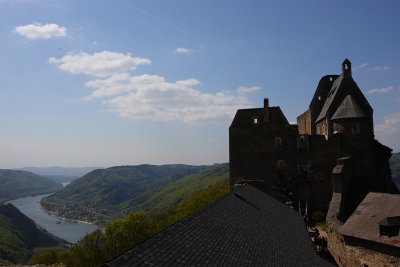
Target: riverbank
[69, 230]
[64, 218]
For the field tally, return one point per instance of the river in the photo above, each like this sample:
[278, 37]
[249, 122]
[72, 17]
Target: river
[68, 230]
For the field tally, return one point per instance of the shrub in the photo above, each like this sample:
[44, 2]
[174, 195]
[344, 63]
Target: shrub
[318, 216]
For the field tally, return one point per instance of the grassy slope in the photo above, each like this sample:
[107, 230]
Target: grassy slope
[15, 184]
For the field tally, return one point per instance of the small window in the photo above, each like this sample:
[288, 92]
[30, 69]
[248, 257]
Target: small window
[319, 98]
[330, 79]
[346, 67]
[355, 128]
[278, 141]
[255, 120]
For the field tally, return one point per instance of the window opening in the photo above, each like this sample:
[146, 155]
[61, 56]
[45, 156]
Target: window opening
[355, 128]
[255, 120]
[278, 141]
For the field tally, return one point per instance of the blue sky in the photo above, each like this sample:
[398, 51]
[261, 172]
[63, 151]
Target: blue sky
[103, 83]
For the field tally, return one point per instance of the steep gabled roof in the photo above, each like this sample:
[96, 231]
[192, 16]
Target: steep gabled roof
[341, 88]
[246, 228]
[349, 109]
[331, 96]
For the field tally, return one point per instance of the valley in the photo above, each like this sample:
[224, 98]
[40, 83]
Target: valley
[106, 194]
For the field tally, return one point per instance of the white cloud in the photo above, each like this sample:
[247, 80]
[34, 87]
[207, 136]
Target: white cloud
[41, 31]
[383, 90]
[182, 50]
[150, 97]
[390, 125]
[245, 90]
[367, 66]
[100, 64]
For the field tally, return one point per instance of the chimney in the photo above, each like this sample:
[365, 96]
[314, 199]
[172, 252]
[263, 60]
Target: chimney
[266, 110]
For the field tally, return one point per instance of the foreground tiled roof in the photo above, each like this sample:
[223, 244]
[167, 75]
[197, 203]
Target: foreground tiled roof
[364, 222]
[246, 228]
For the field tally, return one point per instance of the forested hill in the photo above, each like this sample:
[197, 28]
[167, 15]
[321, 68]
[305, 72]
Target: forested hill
[395, 167]
[15, 184]
[106, 191]
[19, 235]
[167, 196]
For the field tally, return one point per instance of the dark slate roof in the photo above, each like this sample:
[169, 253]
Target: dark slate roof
[246, 228]
[341, 88]
[364, 222]
[331, 96]
[244, 117]
[349, 109]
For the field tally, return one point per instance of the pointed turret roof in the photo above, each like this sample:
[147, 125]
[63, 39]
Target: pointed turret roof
[349, 109]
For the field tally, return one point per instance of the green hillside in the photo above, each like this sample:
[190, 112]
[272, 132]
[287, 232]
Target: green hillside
[15, 184]
[126, 232]
[168, 196]
[110, 191]
[395, 167]
[19, 235]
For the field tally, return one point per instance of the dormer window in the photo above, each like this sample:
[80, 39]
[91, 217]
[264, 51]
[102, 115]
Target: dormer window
[390, 226]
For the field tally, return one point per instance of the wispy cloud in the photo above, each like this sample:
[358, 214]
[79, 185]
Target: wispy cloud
[367, 66]
[379, 68]
[150, 97]
[41, 31]
[245, 90]
[382, 90]
[390, 125]
[100, 64]
[182, 50]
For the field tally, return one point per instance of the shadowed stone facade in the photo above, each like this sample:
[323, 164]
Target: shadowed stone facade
[267, 151]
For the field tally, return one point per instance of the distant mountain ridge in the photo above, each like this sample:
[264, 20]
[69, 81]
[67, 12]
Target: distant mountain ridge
[16, 184]
[57, 170]
[120, 188]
